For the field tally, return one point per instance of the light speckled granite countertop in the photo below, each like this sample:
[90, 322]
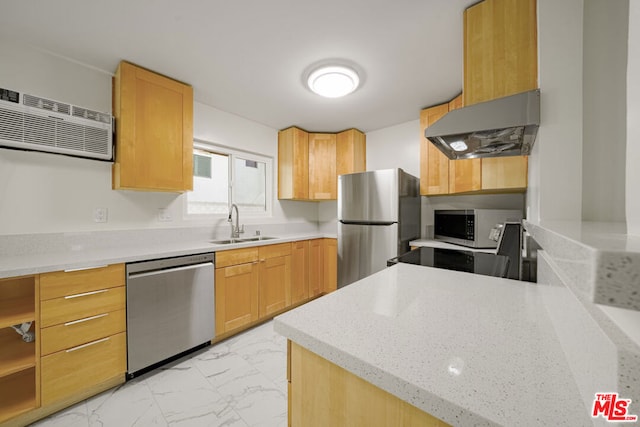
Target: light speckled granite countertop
[468, 349]
[34, 263]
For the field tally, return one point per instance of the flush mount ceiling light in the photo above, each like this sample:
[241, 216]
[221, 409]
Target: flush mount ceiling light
[333, 81]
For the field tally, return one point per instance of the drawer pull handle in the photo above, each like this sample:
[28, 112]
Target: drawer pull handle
[89, 344]
[71, 270]
[86, 294]
[86, 319]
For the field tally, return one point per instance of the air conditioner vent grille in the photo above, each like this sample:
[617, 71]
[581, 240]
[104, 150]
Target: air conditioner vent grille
[90, 115]
[46, 104]
[39, 130]
[34, 125]
[11, 125]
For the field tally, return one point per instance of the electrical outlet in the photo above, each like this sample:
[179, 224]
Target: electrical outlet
[100, 214]
[164, 215]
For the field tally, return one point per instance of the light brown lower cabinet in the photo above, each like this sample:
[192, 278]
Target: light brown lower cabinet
[70, 371]
[324, 394]
[330, 264]
[274, 279]
[236, 289]
[316, 267]
[80, 340]
[253, 284]
[300, 271]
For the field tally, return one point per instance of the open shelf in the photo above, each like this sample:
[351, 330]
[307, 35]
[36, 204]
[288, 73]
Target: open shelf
[17, 310]
[16, 355]
[17, 394]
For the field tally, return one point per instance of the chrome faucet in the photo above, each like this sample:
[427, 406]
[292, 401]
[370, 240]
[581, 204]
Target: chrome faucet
[236, 230]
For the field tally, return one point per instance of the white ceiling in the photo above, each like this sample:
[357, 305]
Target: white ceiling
[247, 57]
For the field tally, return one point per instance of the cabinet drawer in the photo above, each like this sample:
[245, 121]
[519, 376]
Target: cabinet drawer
[236, 256]
[80, 306]
[81, 331]
[60, 283]
[72, 371]
[272, 251]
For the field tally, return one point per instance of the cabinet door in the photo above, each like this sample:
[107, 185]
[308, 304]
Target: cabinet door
[330, 263]
[299, 271]
[316, 267]
[323, 183]
[236, 296]
[505, 173]
[500, 49]
[154, 123]
[72, 371]
[275, 285]
[434, 165]
[293, 164]
[351, 152]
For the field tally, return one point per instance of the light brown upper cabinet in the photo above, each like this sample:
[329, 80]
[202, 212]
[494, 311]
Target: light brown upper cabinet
[438, 174]
[293, 164]
[154, 125]
[500, 59]
[309, 163]
[323, 179]
[351, 152]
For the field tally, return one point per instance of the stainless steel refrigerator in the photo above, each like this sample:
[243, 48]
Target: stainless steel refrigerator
[378, 215]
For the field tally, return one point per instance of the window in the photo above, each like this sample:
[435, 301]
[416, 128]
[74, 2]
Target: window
[222, 176]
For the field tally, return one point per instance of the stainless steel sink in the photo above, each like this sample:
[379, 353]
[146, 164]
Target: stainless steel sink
[257, 238]
[244, 240]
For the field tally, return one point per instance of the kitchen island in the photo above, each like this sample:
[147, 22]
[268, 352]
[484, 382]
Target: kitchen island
[464, 348]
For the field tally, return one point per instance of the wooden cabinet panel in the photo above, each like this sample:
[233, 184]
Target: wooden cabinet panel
[80, 306]
[71, 371]
[236, 256]
[293, 164]
[299, 271]
[351, 152]
[324, 394]
[61, 283]
[18, 394]
[434, 165]
[154, 119]
[275, 285]
[236, 296]
[272, 251]
[465, 175]
[330, 264]
[504, 173]
[71, 334]
[323, 184]
[316, 267]
[500, 49]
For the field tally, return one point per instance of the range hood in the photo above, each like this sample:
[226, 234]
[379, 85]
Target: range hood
[498, 128]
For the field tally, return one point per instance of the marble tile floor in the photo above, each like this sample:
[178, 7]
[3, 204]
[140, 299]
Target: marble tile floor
[240, 382]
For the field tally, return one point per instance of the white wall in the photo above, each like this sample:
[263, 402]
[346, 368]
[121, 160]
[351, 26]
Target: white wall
[555, 167]
[633, 122]
[605, 115]
[42, 192]
[395, 147]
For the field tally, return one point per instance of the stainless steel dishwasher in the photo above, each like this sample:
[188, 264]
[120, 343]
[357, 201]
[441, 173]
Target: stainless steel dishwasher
[170, 309]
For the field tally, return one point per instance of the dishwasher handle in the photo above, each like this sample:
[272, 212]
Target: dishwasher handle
[169, 270]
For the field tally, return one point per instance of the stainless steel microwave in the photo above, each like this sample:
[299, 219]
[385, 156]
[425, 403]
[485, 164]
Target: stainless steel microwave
[471, 227]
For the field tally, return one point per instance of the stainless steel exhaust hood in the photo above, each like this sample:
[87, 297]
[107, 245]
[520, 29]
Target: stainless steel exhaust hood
[498, 128]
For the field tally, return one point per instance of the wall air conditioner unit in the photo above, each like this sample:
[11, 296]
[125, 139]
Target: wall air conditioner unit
[30, 122]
